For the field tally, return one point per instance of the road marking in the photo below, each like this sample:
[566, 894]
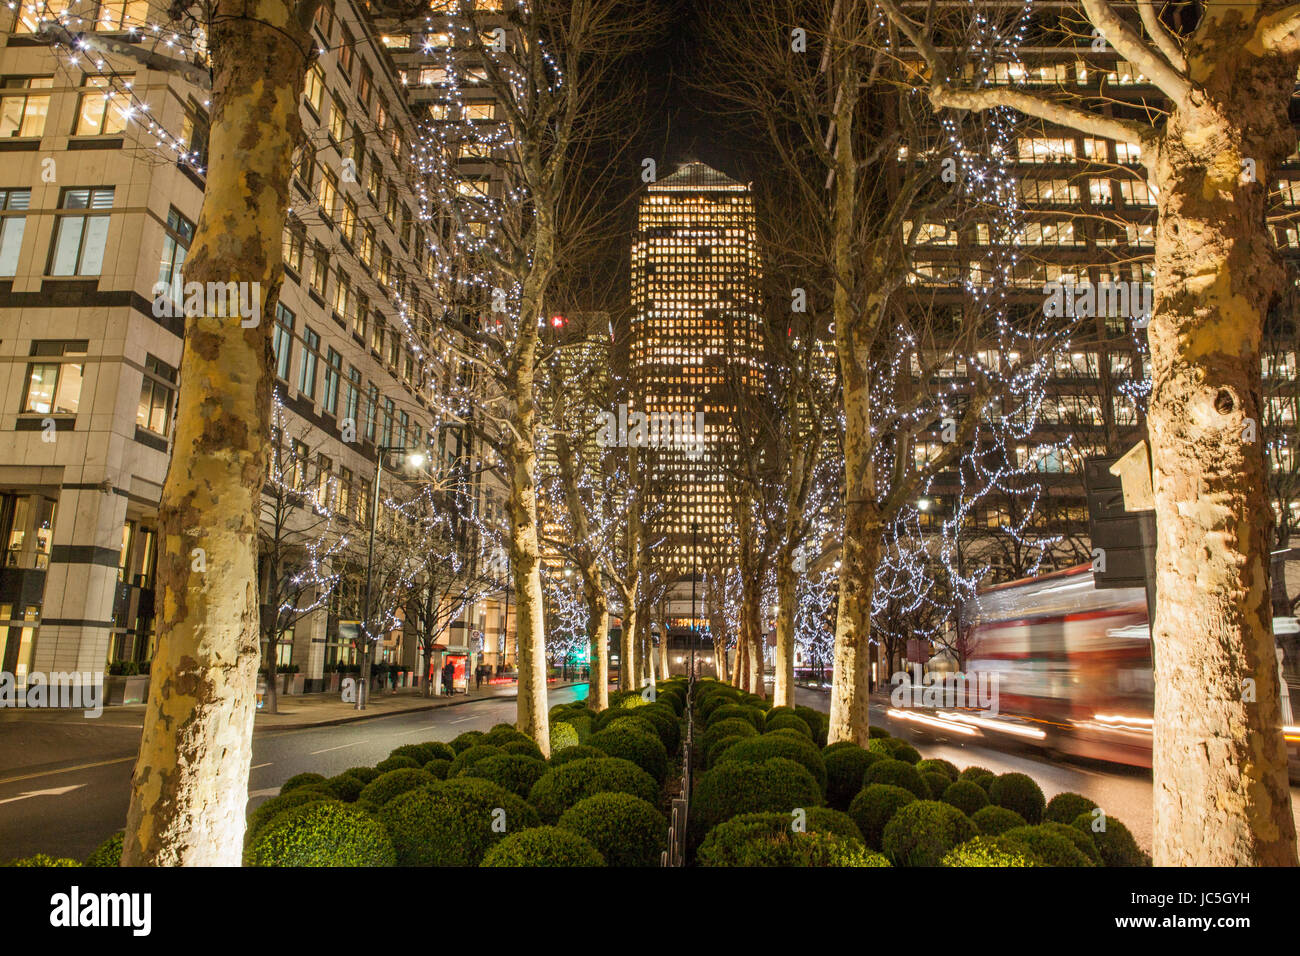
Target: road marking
[259, 766]
[269, 791]
[339, 747]
[52, 792]
[414, 730]
[50, 773]
[463, 719]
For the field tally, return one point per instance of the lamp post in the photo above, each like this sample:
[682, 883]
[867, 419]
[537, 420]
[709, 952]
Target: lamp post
[415, 459]
[695, 567]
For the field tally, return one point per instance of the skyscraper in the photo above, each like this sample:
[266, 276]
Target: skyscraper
[695, 338]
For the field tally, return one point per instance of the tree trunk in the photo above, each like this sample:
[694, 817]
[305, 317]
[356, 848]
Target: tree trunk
[783, 678]
[271, 699]
[189, 794]
[598, 635]
[1219, 759]
[663, 650]
[851, 673]
[627, 652]
[525, 562]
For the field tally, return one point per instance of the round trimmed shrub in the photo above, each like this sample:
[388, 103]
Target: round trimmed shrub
[397, 763]
[438, 750]
[719, 730]
[794, 849]
[624, 829]
[1083, 842]
[922, 832]
[724, 844]
[994, 820]
[1065, 807]
[438, 768]
[879, 733]
[715, 752]
[937, 783]
[896, 773]
[874, 807]
[751, 715]
[905, 752]
[786, 721]
[818, 723]
[580, 752]
[466, 740]
[880, 746]
[268, 810]
[501, 734]
[523, 748]
[108, 853]
[446, 825]
[644, 749]
[364, 774]
[42, 859]
[471, 755]
[345, 786]
[1115, 844]
[543, 846]
[987, 851]
[322, 834]
[934, 765]
[1018, 792]
[563, 736]
[845, 768]
[301, 780]
[420, 753]
[985, 781]
[966, 797]
[1048, 848]
[839, 745]
[511, 771]
[665, 724]
[392, 784]
[561, 787]
[759, 749]
[971, 773]
[734, 787]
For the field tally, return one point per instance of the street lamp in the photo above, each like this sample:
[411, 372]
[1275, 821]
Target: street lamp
[416, 459]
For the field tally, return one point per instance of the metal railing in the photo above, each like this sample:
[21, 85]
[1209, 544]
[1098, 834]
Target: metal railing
[675, 855]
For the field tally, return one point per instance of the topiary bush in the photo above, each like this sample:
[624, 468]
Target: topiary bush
[971, 773]
[108, 853]
[937, 784]
[933, 765]
[523, 748]
[420, 753]
[985, 781]
[466, 740]
[922, 832]
[626, 742]
[987, 851]
[994, 821]
[904, 751]
[625, 830]
[543, 846]
[751, 715]
[449, 825]
[511, 771]
[877, 733]
[301, 780]
[392, 784]
[43, 859]
[759, 749]
[1065, 807]
[787, 721]
[580, 752]
[561, 787]
[734, 787]
[1018, 792]
[472, 755]
[787, 848]
[715, 752]
[896, 773]
[723, 846]
[873, 808]
[966, 797]
[501, 734]
[438, 750]
[364, 774]
[321, 834]
[845, 768]
[1083, 842]
[269, 809]
[438, 768]
[563, 736]
[345, 786]
[665, 724]
[720, 730]
[1046, 847]
[818, 723]
[397, 763]
[1115, 844]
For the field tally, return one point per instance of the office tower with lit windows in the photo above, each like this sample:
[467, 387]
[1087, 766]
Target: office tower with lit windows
[695, 337]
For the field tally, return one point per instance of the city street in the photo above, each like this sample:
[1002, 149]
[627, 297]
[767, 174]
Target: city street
[68, 806]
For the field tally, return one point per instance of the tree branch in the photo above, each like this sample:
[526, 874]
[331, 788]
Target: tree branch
[56, 33]
[1131, 47]
[1165, 41]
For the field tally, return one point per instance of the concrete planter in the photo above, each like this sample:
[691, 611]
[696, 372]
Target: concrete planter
[296, 682]
[126, 690]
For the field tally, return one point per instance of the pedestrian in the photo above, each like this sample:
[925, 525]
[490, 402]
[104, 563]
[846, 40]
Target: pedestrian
[448, 676]
[478, 677]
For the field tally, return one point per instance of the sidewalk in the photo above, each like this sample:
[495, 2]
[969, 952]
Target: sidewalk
[299, 711]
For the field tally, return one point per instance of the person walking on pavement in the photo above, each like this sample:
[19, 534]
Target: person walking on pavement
[478, 677]
[448, 676]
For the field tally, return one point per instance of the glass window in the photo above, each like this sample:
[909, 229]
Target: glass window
[333, 370]
[310, 356]
[79, 239]
[282, 340]
[320, 269]
[314, 88]
[12, 227]
[293, 240]
[157, 396]
[194, 134]
[120, 14]
[54, 388]
[372, 410]
[176, 245]
[23, 113]
[338, 119]
[100, 108]
[352, 400]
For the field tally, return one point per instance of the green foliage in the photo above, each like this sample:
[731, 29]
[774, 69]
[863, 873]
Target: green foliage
[420, 753]
[561, 787]
[1065, 807]
[466, 740]
[966, 797]
[42, 859]
[452, 823]
[625, 829]
[1115, 844]
[800, 750]
[270, 809]
[472, 755]
[905, 752]
[734, 787]
[643, 748]
[397, 763]
[838, 745]
[845, 768]
[581, 752]
[937, 784]
[873, 808]
[994, 821]
[922, 832]
[544, 846]
[321, 834]
[392, 784]
[1046, 847]
[720, 747]
[301, 780]
[563, 736]
[345, 786]
[511, 771]
[877, 733]
[933, 765]
[764, 839]
[364, 774]
[1083, 842]
[438, 768]
[818, 723]
[438, 750]
[1018, 792]
[721, 729]
[664, 722]
[896, 773]
[972, 773]
[502, 734]
[987, 851]
[108, 853]
[751, 715]
[985, 781]
[524, 748]
[787, 721]
[723, 846]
